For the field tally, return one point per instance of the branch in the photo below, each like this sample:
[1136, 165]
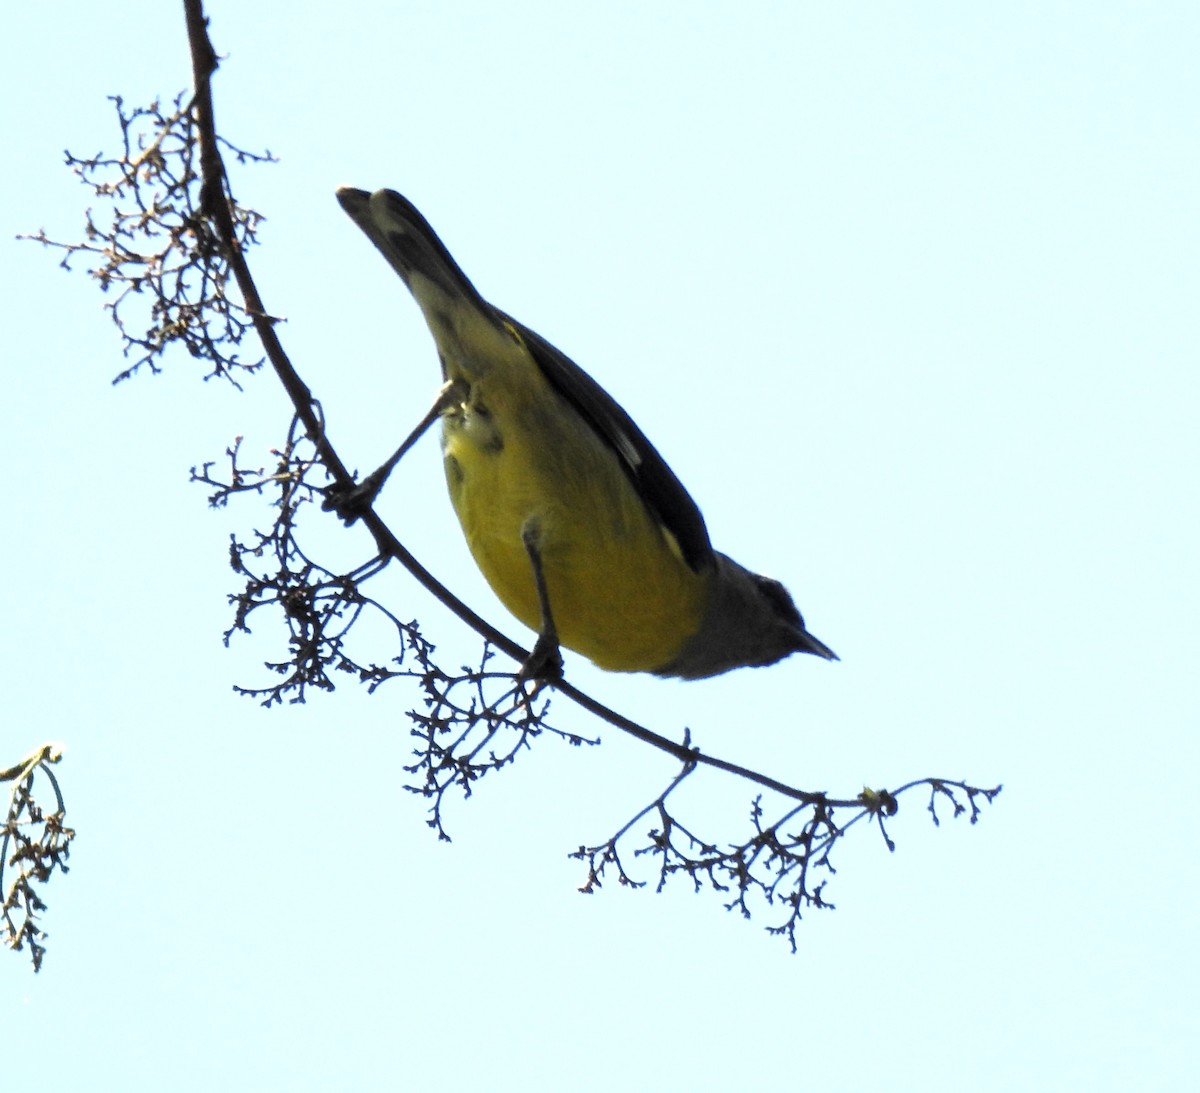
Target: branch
[183, 240]
[39, 843]
[214, 184]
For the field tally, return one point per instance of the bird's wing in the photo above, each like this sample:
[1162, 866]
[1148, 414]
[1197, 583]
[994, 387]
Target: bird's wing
[654, 481]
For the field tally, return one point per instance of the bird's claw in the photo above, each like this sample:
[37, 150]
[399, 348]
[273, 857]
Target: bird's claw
[349, 502]
[545, 663]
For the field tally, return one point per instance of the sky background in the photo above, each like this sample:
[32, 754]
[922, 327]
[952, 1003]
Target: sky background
[906, 293]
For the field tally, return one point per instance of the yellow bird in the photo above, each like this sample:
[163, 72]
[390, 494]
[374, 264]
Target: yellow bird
[573, 517]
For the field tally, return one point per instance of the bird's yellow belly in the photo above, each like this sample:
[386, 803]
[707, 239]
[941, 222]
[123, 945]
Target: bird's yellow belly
[619, 591]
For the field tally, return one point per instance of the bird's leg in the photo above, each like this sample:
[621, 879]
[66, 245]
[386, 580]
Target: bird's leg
[351, 502]
[545, 663]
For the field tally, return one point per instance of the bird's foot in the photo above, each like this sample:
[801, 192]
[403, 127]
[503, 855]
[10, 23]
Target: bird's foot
[545, 663]
[351, 502]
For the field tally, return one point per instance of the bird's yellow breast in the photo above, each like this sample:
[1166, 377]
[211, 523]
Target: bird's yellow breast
[515, 451]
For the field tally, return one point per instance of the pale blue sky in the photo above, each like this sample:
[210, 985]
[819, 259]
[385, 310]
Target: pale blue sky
[907, 295]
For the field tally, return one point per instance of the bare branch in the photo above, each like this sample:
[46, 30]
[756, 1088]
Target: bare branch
[177, 238]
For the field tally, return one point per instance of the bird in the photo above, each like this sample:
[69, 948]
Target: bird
[577, 523]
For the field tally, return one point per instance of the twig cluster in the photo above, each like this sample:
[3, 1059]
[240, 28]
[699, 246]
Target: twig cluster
[469, 722]
[317, 606]
[34, 843]
[473, 723]
[782, 863]
[154, 249]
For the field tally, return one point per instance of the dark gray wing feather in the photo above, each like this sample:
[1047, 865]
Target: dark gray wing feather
[654, 481]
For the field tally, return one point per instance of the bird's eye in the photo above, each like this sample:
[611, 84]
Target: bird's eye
[780, 598]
